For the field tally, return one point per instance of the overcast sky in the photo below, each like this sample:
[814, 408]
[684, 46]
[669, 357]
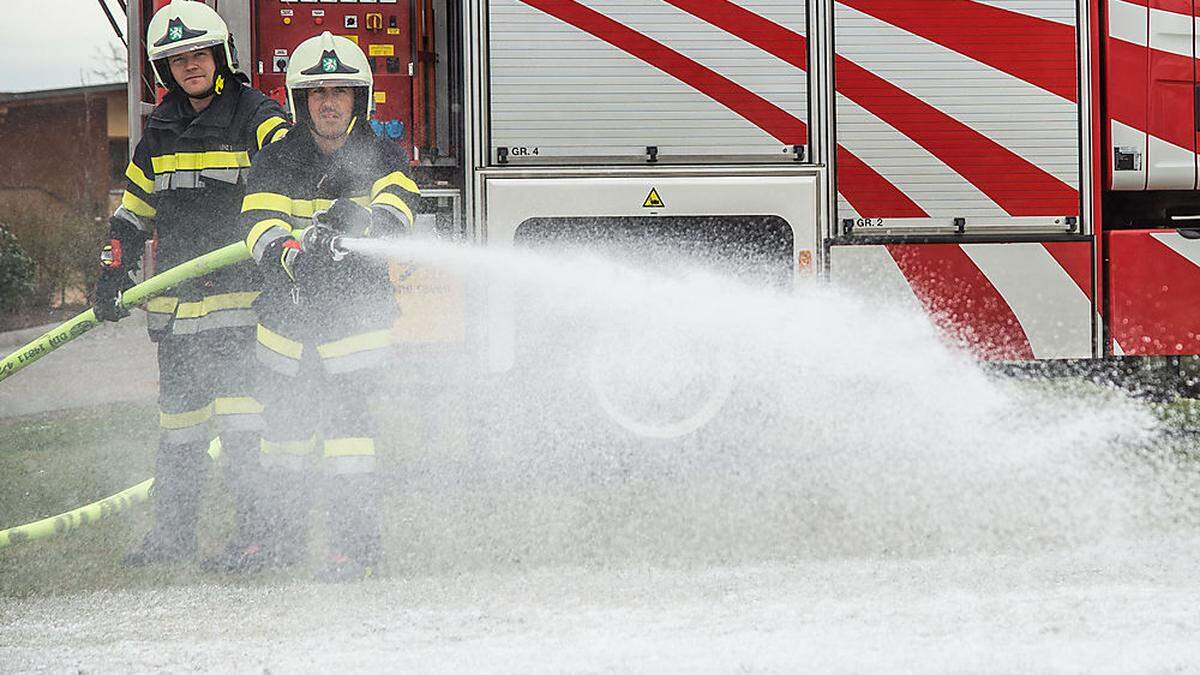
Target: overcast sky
[53, 43]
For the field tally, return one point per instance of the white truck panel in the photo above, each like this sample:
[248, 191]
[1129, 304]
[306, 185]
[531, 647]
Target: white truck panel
[1050, 10]
[1026, 122]
[1054, 316]
[511, 198]
[575, 97]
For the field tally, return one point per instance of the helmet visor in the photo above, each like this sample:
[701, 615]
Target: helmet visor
[186, 47]
[331, 81]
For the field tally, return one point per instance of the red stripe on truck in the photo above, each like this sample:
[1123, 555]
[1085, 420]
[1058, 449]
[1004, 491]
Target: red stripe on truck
[1152, 293]
[961, 300]
[1174, 6]
[1015, 184]
[990, 35]
[867, 191]
[1131, 69]
[1075, 257]
[762, 113]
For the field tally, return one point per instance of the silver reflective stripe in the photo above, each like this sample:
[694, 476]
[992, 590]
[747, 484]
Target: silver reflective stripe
[186, 180]
[266, 239]
[350, 464]
[223, 175]
[177, 180]
[158, 320]
[131, 217]
[276, 361]
[401, 217]
[239, 422]
[193, 434]
[284, 461]
[357, 361]
[222, 318]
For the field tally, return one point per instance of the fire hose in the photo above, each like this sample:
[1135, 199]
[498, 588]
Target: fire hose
[137, 295]
[85, 515]
[84, 322]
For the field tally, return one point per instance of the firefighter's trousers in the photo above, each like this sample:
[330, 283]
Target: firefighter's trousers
[307, 408]
[205, 380]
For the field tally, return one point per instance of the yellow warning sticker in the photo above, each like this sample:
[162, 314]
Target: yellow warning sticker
[351, 37]
[393, 31]
[381, 50]
[381, 97]
[653, 201]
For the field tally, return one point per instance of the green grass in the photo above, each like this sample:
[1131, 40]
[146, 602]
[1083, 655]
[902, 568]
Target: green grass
[52, 463]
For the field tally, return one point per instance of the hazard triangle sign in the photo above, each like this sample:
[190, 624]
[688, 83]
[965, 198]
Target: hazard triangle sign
[653, 201]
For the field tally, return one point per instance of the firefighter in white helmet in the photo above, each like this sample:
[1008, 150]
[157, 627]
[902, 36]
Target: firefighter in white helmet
[325, 315]
[185, 186]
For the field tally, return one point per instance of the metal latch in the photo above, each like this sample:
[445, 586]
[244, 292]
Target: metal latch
[1127, 158]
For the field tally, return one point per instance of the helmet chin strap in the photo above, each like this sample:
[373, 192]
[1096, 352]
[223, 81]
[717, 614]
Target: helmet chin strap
[217, 87]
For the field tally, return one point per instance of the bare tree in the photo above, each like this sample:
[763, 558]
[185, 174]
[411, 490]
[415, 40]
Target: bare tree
[109, 65]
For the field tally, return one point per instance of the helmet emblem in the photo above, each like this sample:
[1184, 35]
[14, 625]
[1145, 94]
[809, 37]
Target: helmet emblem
[329, 63]
[176, 31]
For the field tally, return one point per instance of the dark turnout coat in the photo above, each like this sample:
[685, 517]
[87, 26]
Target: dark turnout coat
[185, 185]
[343, 309]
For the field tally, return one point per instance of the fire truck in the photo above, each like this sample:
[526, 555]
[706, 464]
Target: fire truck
[1024, 171]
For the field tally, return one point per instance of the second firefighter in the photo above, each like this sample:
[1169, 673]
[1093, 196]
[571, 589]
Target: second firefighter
[325, 317]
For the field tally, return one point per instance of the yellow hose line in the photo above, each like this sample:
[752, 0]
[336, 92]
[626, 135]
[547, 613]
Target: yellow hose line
[85, 515]
[152, 287]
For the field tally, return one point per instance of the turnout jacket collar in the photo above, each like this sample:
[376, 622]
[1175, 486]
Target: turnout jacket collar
[300, 148]
[176, 112]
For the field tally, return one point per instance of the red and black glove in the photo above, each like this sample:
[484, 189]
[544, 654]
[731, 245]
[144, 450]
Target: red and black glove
[114, 280]
[279, 264]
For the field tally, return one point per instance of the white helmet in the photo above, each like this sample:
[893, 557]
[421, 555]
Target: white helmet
[328, 60]
[184, 26]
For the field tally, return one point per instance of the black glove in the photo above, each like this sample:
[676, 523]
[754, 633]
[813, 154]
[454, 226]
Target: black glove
[114, 279]
[387, 221]
[345, 216]
[278, 264]
[323, 242]
[106, 299]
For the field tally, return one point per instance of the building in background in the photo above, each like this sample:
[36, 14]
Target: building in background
[63, 154]
[64, 146]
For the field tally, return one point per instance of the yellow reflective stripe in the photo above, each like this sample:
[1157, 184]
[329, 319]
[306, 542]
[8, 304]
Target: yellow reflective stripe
[349, 447]
[279, 344]
[162, 305]
[268, 201]
[192, 161]
[394, 201]
[279, 136]
[355, 344]
[136, 205]
[269, 125]
[262, 226]
[286, 447]
[243, 300]
[305, 208]
[214, 303]
[190, 310]
[237, 405]
[135, 174]
[185, 419]
[398, 179]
